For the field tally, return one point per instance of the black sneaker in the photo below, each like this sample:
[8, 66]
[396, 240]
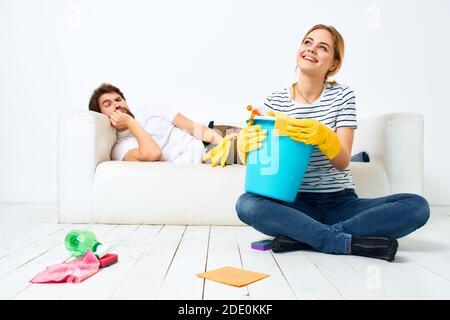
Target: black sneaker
[374, 247]
[284, 244]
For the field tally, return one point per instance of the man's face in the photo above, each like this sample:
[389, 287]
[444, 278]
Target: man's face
[112, 101]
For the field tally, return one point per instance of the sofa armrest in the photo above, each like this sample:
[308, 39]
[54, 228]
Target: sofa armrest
[85, 139]
[396, 141]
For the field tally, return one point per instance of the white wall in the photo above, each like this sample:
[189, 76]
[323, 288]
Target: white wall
[208, 59]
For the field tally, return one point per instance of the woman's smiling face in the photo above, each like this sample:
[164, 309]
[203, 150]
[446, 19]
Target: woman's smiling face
[316, 54]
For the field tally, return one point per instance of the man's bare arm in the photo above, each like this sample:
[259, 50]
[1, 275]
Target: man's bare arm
[196, 129]
[148, 149]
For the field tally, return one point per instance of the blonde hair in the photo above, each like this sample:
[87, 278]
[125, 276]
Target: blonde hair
[338, 48]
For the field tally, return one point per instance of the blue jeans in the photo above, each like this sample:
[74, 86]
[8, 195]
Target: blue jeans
[326, 221]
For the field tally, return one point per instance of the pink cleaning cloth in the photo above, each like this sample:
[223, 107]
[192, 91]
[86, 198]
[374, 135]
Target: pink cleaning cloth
[73, 271]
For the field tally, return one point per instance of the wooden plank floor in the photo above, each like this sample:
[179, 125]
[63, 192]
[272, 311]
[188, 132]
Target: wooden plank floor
[161, 262]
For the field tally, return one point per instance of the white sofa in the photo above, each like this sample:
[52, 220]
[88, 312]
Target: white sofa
[94, 189]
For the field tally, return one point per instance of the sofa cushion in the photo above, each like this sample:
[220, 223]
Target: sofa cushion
[194, 194]
[371, 179]
[166, 193]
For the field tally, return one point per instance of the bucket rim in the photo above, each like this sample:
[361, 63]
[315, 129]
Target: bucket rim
[264, 118]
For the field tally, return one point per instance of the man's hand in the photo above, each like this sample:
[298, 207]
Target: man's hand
[120, 120]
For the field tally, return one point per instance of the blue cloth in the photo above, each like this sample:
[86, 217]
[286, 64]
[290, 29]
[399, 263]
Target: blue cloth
[361, 157]
[326, 221]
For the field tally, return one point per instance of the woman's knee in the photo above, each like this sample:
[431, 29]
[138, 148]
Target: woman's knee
[421, 209]
[246, 207]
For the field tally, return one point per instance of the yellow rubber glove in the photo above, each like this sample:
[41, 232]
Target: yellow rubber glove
[281, 122]
[249, 139]
[220, 152]
[311, 131]
[308, 131]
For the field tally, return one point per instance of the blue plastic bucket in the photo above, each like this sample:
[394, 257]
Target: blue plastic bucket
[276, 169]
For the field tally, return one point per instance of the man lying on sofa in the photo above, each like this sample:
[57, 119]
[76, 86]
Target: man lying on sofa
[162, 136]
